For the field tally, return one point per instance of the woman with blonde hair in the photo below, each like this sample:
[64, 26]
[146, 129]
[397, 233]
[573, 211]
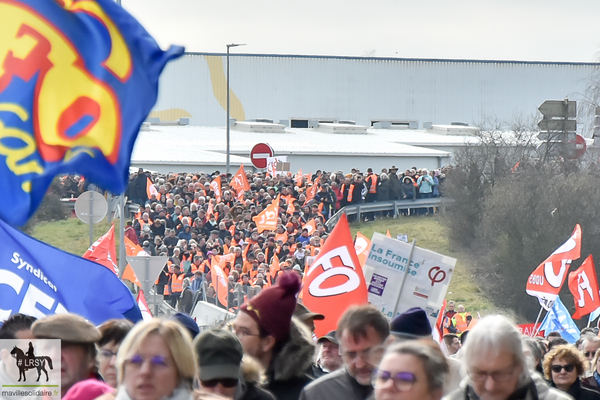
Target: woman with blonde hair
[156, 361]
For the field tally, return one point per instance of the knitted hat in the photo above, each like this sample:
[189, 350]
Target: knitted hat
[273, 308]
[67, 327]
[187, 321]
[412, 323]
[87, 389]
[219, 354]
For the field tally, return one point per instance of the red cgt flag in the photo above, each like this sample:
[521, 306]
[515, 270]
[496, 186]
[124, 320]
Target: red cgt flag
[547, 279]
[335, 280]
[584, 286]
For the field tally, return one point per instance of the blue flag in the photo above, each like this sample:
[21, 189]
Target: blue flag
[38, 280]
[77, 79]
[559, 319]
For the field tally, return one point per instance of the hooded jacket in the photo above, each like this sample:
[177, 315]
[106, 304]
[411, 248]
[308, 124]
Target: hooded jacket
[250, 386]
[290, 368]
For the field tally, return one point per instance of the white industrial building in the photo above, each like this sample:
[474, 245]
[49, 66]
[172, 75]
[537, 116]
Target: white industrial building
[410, 93]
[338, 113]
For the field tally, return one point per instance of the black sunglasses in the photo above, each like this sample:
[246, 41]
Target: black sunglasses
[225, 382]
[558, 368]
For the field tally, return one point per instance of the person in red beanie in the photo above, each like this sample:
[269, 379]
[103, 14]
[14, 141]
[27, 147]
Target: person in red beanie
[282, 344]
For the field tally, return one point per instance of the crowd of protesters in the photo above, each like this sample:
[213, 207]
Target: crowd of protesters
[190, 220]
[269, 351]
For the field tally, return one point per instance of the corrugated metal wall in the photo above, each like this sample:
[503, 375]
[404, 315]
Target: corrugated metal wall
[363, 89]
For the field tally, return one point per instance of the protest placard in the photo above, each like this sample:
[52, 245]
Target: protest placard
[399, 277]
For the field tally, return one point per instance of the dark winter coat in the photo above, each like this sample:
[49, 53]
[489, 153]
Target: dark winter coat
[289, 371]
[383, 192]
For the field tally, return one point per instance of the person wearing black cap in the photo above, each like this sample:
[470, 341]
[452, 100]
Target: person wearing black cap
[307, 317]
[413, 324]
[283, 346]
[329, 354]
[221, 369]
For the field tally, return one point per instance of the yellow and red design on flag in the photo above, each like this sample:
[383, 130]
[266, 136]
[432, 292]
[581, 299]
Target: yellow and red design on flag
[215, 186]
[151, 189]
[240, 183]
[267, 219]
[102, 251]
[547, 279]
[584, 286]
[219, 282]
[77, 80]
[335, 280]
[311, 226]
[362, 245]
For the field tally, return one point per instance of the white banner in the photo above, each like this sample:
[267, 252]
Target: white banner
[391, 286]
[272, 164]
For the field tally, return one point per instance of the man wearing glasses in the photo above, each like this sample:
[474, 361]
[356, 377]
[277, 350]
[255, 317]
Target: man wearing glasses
[361, 333]
[496, 366]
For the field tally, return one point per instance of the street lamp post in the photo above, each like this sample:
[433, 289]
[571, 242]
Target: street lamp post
[227, 124]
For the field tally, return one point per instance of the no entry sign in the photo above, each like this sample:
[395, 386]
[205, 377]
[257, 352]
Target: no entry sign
[259, 155]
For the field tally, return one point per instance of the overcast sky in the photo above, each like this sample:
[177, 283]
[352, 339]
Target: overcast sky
[529, 30]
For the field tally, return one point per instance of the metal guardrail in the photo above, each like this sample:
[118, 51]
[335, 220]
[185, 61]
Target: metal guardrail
[395, 206]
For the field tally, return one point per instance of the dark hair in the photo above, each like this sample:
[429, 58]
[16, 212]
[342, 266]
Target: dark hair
[114, 330]
[358, 319]
[449, 338]
[557, 341]
[14, 324]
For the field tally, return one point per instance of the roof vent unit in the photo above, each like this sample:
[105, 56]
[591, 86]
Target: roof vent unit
[382, 125]
[259, 127]
[427, 125]
[270, 121]
[145, 126]
[153, 121]
[284, 122]
[342, 129]
[455, 130]
[184, 121]
[347, 122]
[313, 123]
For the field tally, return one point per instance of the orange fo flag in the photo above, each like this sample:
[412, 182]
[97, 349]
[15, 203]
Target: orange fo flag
[240, 182]
[215, 186]
[362, 245]
[547, 279]
[335, 281]
[151, 189]
[298, 178]
[218, 277]
[267, 220]
[103, 252]
[311, 226]
[132, 249]
[312, 191]
[274, 267]
[584, 286]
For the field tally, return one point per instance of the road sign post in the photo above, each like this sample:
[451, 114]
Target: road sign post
[147, 269]
[91, 207]
[259, 155]
[558, 128]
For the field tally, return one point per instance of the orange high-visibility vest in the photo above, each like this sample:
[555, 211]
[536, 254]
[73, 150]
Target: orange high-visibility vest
[349, 199]
[460, 321]
[373, 180]
[177, 283]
